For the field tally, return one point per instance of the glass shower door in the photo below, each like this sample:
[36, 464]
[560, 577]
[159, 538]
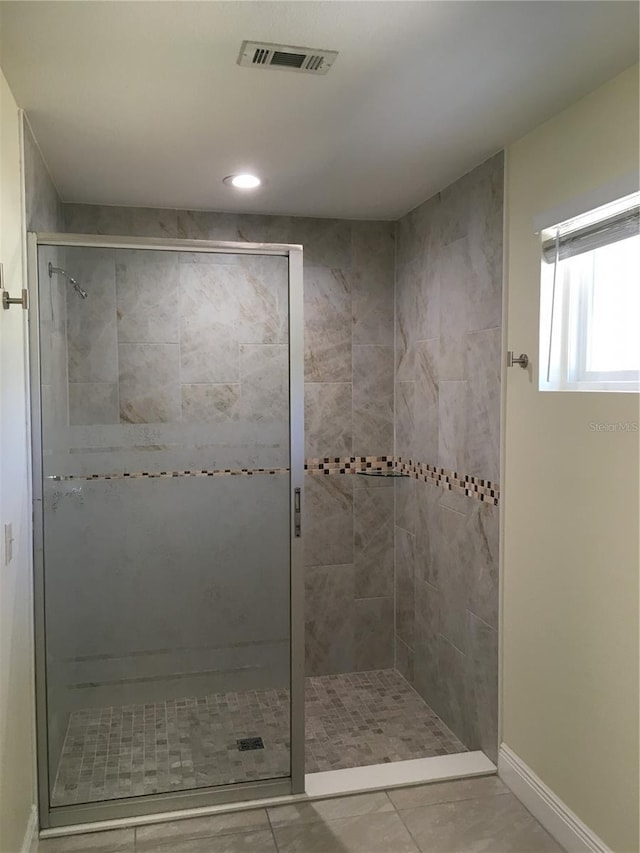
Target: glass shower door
[166, 520]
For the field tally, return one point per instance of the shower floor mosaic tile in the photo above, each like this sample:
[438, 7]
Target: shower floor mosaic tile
[351, 720]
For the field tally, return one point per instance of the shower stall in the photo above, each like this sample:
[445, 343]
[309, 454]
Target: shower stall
[251, 579]
[167, 413]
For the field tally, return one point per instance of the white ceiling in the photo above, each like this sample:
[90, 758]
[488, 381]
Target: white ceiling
[142, 103]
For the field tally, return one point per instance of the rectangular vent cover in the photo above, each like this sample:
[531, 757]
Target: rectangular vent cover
[304, 60]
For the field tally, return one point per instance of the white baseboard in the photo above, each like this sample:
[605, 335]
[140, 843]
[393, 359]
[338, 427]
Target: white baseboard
[557, 818]
[30, 841]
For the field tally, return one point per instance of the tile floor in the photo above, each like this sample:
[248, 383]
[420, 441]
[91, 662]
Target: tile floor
[352, 720]
[466, 816]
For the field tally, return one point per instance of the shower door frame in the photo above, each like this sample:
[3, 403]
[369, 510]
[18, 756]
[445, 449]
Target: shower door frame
[148, 804]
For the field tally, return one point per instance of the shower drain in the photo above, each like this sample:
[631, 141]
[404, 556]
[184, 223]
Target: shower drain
[250, 743]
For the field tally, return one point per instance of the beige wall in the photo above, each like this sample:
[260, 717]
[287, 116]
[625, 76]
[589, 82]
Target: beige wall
[570, 631]
[17, 783]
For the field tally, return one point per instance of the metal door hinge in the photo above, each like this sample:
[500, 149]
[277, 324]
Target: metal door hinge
[8, 301]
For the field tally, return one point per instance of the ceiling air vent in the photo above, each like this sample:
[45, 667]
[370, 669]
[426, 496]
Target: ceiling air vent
[304, 60]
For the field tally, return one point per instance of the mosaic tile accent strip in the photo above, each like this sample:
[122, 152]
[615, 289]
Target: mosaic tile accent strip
[347, 464]
[150, 475]
[473, 487]
[352, 720]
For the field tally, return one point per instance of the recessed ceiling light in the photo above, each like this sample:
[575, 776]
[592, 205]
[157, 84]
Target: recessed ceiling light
[243, 182]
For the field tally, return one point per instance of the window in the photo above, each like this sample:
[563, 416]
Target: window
[590, 301]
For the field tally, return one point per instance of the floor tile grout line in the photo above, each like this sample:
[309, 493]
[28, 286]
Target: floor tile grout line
[465, 799]
[411, 835]
[273, 834]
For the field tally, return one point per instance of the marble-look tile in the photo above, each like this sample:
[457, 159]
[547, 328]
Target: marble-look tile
[54, 358]
[426, 415]
[255, 841]
[42, 204]
[215, 258]
[448, 792]
[452, 699]
[455, 500]
[482, 444]
[373, 282]
[427, 373]
[428, 534]
[426, 678]
[453, 273]
[486, 245]
[452, 425]
[329, 617]
[326, 242]
[484, 284]
[405, 423]
[483, 540]
[147, 297]
[405, 550]
[332, 809]
[109, 841]
[498, 824]
[404, 660]
[413, 233]
[370, 833]
[93, 403]
[454, 576]
[262, 294]
[373, 399]
[255, 289]
[149, 383]
[482, 686]
[454, 210]
[407, 286]
[91, 322]
[428, 295]
[406, 506]
[373, 633]
[53, 316]
[54, 413]
[327, 325]
[328, 519]
[209, 318]
[328, 419]
[211, 403]
[147, 837]
[372, 541]
[259, 228]
[205, 225]
[264, 384]
[120, 221]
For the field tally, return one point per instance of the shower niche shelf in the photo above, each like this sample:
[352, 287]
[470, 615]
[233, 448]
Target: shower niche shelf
[380, 473]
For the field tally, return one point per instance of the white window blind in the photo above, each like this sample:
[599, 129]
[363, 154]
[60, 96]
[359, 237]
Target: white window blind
[590, 301]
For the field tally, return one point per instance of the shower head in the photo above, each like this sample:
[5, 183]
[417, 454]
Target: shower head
[83, 293]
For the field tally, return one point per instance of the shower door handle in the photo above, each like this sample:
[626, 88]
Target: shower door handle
[297, 513]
